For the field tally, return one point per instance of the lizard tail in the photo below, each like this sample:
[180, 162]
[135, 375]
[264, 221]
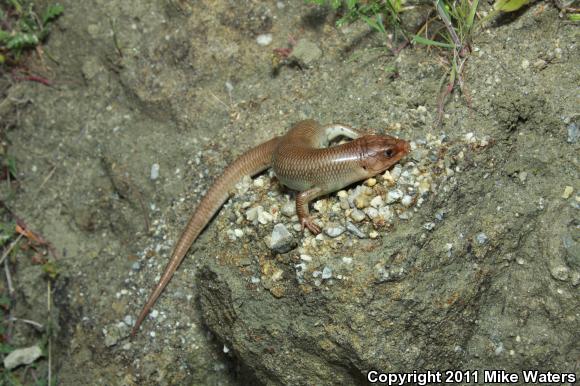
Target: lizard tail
[250, 163]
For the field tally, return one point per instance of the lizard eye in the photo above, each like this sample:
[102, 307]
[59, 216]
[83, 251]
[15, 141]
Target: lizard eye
[389, 153]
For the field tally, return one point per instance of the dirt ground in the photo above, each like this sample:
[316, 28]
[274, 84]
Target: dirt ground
[487, 268]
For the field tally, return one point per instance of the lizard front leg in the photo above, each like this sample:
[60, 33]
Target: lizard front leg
[302, 201]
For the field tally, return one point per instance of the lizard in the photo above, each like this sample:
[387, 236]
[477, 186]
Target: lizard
[303, 161]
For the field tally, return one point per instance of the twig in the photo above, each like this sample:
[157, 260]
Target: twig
[27, 321]
[50, 173]
[9, 249]
[8, 277]
[219, 100]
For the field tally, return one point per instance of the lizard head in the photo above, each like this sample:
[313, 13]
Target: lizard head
[380, 152]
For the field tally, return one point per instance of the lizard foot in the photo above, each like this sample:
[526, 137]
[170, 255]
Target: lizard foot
[307, 222]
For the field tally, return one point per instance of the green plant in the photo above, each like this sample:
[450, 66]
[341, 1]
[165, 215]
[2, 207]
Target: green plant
[21, 27]
[452, 29]
[375, 13]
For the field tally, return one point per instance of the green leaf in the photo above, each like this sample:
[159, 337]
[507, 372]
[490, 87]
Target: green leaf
[377, 24]
[429, 42]
[11, 164]
[509, 5]
[4, 35]
[350, 4]
[52, 12]
[472, 11]
[22, 40]
[574, 16]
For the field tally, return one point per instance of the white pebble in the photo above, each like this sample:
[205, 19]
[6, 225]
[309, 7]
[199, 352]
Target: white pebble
[372, 213]
[407, 200]
[265, 217]
[377, 202]
[264, 39]
[334, 231]
[154, 171]
[394, 196]
[347, 260]
[326, 273]
[357, 215]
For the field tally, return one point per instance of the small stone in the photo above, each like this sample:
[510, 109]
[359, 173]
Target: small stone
[394, 196]
[372, 213]
[469, 138]
[540, 64]
[357, 215]
[429, 226]
[560, 272]
[288, 209]
[334, 231]
[281, 240]
[405, 215]
[306, 52]
[306, 257]
[22, 356]
[264, 39]
[115, 333]
[377, 202]
[354, 230]
[371, 182]
[252, 213]
[373, 234]
[396, 172]
[129, 320]
[347, 260]
[326, 273]
[568, 190]
[154, 172]
[424, 186]
[573, 133]
[238, 232]
[136, 266]
[525, 63]
[361, 201]
[264, 217]
[481, 238]
[388, 178]
[344, 205]
[407, 200]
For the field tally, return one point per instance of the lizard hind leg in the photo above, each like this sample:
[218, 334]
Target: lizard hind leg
[302, 201]
[336, 130]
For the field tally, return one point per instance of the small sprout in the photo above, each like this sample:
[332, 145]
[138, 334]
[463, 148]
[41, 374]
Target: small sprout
[50, 269]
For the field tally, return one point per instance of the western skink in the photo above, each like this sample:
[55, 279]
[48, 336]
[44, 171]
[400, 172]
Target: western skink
[301, 160]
